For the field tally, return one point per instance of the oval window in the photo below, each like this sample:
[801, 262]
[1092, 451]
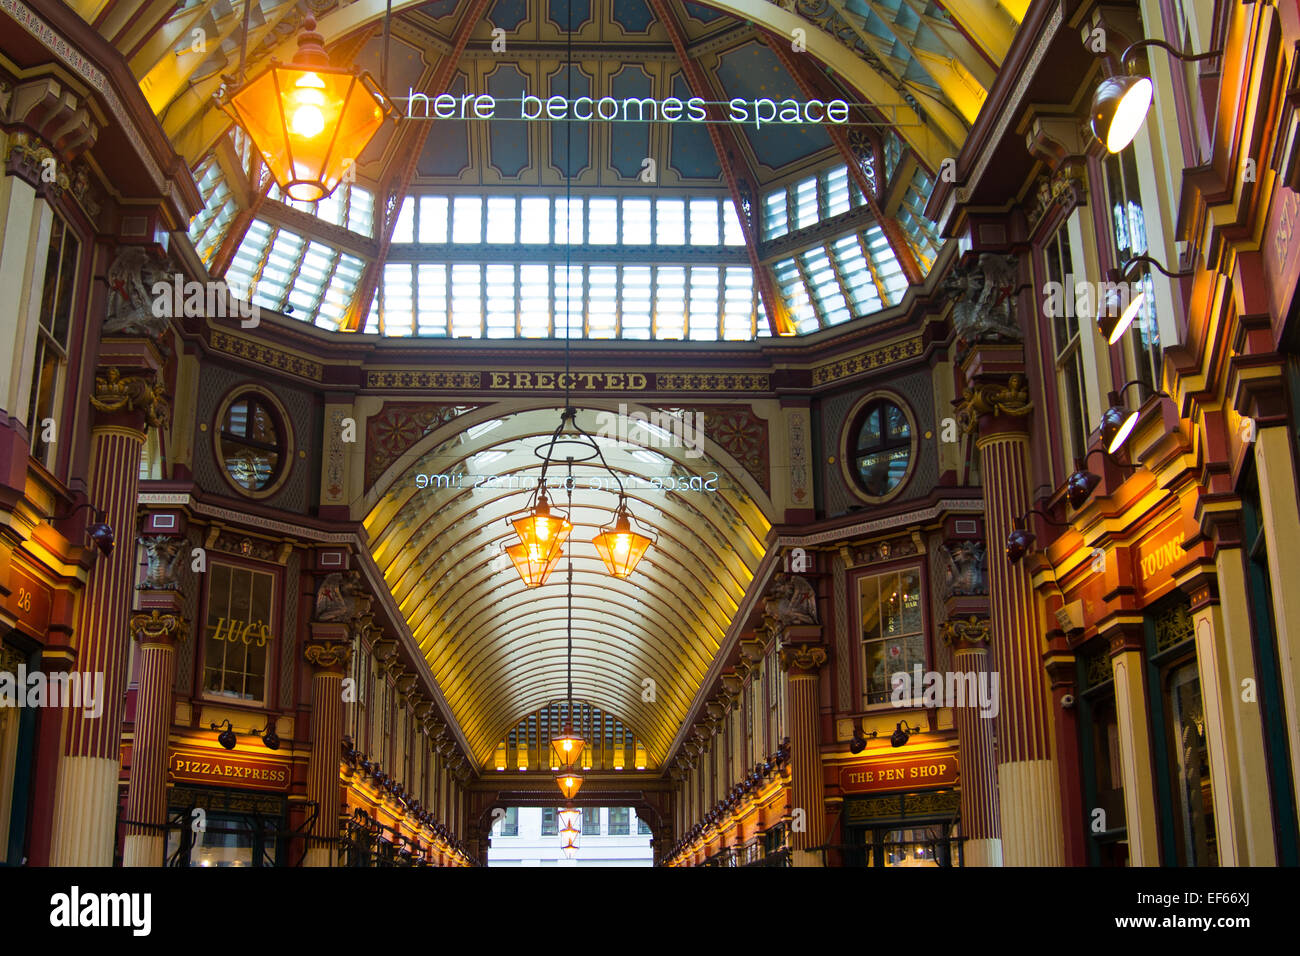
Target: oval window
[251, 443]
[881, 450]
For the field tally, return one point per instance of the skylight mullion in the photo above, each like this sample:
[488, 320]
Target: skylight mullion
[810, 290]
[875, 274]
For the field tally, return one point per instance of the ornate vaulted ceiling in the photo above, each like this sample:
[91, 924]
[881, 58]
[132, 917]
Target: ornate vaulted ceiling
[496, 647]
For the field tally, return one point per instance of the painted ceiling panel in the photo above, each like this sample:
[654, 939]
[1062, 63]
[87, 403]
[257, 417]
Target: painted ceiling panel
[700, 12]
[633, 15]
[446, 148]
[752, 71]
[508, 14]
[570, 142]
[508, 141]
[692, 155]
[629, 143]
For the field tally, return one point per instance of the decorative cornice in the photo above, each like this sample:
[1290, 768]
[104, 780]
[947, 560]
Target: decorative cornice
[869, 360]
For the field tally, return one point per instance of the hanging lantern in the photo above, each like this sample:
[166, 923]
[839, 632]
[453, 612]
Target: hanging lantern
[310, 121]
[533, 567]
[570, 848]
[566, 749]
[542, 529]
[570, 819]
[569, 784]
[620, 546]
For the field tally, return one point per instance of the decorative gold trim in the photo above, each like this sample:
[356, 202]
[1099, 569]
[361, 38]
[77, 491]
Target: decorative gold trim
[868, 360]
[261, 354]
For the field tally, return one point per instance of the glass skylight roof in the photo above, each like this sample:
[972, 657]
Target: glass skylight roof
[286, 272]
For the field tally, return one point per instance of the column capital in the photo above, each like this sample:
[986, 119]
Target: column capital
[158, 628]
[135, 396]
[802, 659]
[329, 648]
[971, 633]
[1123, 633]
[992, 407]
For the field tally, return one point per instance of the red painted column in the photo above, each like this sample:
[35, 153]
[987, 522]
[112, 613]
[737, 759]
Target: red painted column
[86, 794]
[158, 628]
[328, 651]
[802, 663]
[980, 823]
[996, 406]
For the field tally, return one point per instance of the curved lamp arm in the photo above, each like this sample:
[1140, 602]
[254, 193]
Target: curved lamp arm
[1127, 268]
[1173, 51]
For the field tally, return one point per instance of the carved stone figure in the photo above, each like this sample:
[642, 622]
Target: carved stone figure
[131, 279]
[984, 310]
[163, 558]
[964, 569]
[791, 601]
[341, 597]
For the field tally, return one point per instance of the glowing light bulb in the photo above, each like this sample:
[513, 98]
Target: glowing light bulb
[308, 117]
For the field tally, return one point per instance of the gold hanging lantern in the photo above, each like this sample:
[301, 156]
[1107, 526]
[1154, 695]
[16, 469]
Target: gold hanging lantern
[310, 121]
[532, 566]
[569, 783]
[619, 545]
[542, 533]
[566, 749]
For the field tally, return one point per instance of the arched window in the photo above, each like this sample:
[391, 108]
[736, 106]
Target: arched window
[880, 450]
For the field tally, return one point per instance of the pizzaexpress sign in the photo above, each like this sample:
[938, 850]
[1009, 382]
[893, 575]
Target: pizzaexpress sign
[244, 773]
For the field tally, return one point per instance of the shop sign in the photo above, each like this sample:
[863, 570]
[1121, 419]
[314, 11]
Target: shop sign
[29, 601]
[1159, 555]
[923, 771]
[1281, 252]
[221, 770]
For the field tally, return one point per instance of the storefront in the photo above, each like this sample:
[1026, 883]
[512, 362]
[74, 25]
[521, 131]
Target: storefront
[901, 810]
[228, 810]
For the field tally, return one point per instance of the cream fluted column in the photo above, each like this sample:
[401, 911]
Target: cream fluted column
[158, 628]
[85, 815]
[802, 663]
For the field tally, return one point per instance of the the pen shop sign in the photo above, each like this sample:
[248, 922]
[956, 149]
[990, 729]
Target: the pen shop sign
[925, 771]
[213, 770]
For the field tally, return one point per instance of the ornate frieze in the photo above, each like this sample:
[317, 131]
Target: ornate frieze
[969, 631]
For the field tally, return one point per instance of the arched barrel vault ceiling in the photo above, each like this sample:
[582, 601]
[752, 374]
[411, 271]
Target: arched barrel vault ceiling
[497, 648]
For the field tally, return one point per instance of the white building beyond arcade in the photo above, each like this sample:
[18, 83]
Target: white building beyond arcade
[612, 838]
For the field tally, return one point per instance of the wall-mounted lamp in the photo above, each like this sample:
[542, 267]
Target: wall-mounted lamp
[1021, 540]
[100, 533]
[1117, 421]
[859, 741]
[1114, 327]
[1121, 103]
[902, 733]
[268, 734]
[1080, 485]
[227, 737]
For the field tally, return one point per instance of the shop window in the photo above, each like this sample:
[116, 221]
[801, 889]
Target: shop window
[620, 821]
[1142, 354]
[252, 443]
[893, 634]
[879, 447]
[52, 336]
[237, 635]
[243, 829]
[1067, 348]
